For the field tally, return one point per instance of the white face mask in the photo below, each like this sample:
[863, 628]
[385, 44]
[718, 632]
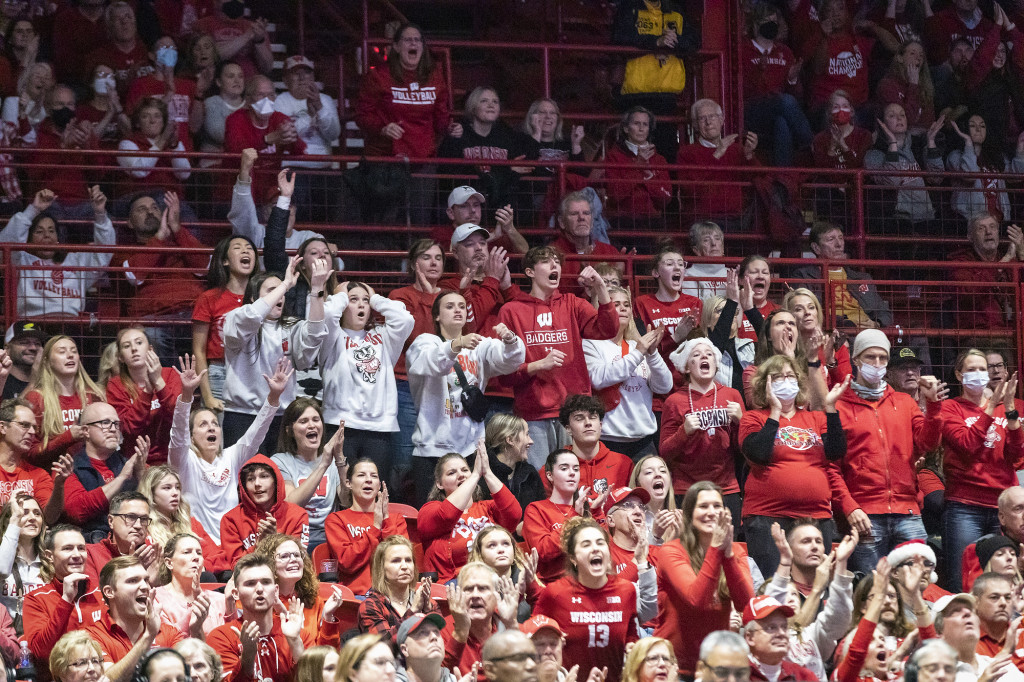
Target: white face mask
[872, 373]
[975, 380]
[263, 107]
[103, 85]
[785, 389]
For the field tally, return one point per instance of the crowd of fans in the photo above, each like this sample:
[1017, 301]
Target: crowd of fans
[282, 474]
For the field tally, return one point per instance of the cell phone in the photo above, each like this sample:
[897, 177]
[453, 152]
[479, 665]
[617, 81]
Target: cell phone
[672, 26]
[429, 574]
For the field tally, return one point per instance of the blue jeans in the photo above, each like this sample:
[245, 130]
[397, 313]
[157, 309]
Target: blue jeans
[963, 524]
[401, 457]
[781, 118]
[887, 531]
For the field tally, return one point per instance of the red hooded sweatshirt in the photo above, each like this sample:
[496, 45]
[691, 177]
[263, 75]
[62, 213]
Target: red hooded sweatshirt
[981, 455]
[709, 453]
[353, 538]
[238, 527]
[608, 469]
[561, 323]
[883, 440]
[47, 616]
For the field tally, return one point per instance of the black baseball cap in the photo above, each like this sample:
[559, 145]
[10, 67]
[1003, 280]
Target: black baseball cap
[903, 356]
[25, 329]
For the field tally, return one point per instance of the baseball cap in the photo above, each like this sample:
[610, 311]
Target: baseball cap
[25, 329]
[904, 356]
[943, 603]
[296, 61]
[763, 606]
[619, 494]
[537, 623]
[462, 194]
[416, 620]
[463, 231]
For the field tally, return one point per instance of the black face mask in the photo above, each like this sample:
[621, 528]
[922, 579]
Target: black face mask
[769, 30]
[61, 117]
[233, 9]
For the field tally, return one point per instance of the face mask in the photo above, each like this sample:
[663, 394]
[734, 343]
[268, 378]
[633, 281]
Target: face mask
[104, 85]
[769, 30]
[167, 56]
[842, 116]
[233, 9]
[61, 117]
[975, 380]
[785, 389]
[871, 373]
[264, 107]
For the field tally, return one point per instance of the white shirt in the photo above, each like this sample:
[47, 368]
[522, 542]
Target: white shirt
[317, 132]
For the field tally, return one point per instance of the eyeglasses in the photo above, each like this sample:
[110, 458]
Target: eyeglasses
[383, 661]
[723, 673]
[132, 519]
[521, 657]
[26, 426]
[658, 659]
[83, 663]
[629, 505]
[106, 424]
[288, 556]
[998, 365]
[910, 562]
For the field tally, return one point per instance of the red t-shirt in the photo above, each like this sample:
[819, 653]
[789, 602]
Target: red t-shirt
[847, 69]
[654, 312]
[127, 66]
[747, 330]
[765, 73]
[542, 530]
[597, 623]
[353, 538]
[707, 454]
[27, 478]
[241, 133]
[211, 307]
[115, 643]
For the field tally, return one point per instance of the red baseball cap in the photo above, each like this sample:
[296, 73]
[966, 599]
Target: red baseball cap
[537, 623]
[763, 606]
[619, 494]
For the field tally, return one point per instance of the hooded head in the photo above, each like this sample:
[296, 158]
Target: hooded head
[260, 486]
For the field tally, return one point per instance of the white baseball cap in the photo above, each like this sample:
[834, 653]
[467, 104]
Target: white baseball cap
[463, 231]
[461, 195]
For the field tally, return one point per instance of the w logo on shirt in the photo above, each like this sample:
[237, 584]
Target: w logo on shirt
[544, 320]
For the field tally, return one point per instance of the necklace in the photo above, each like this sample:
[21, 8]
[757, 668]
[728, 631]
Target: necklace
[689, 393]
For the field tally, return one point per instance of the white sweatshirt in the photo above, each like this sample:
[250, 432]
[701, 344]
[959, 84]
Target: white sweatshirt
[57, 291]
[358, 368]
[442, 426]
[640, 378]
[212, 487]
[317, 132]
[246, 362]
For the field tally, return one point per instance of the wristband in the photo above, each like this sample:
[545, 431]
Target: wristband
[1012, 415]
[816, 364]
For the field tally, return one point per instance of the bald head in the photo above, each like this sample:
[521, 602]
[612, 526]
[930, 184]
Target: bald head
[103, 429]
[510, 656]
[1011, 513]
[259, 87]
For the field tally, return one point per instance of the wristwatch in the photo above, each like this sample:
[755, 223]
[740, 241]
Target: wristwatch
[1012, 415]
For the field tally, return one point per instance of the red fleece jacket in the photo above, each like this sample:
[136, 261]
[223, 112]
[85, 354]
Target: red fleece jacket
[238, 527]
[982, 456]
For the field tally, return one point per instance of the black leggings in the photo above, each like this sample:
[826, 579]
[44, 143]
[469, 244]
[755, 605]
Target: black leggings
[237, 423]
[761, 547]
[363, 444]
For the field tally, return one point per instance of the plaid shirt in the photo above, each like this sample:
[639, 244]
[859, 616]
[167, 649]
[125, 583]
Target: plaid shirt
[377, 615]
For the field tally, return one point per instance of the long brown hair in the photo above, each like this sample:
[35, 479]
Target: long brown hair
[424, 70]
[308, 586]
[438, 493]
[37, 542]
[690, 539]
[296, 408]
[126, 378]
[48, 387]
[570, 531]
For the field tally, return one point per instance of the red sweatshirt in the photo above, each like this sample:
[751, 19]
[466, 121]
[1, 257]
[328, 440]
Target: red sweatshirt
[419, 305]
[766, 73]
[597, 623]
[571, 268]
[47, 616]
[562, 322]
[422, 109]
[238, 527]
[160, 292]
[542, 530]
[708, 454]
[908, 95]
[688, 603]
[623, 564]
[799, 480]
[65, 173]
[637, 191]
[27, 478]
[274, 661]
[447, 532]
[148, 414]
[241, 133]
[884, 438]
[981, 456]
[859, 141]
[945, 26]
[44, 456]
[607, 469]
[462, 655]
[846, 68]
[353, 539]
[727, 199]
[654, 312]
[213, 556]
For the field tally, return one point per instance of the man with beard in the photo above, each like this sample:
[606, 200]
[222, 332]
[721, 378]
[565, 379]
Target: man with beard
[128, 519]
[480, 607]
[993, 594]
[957, 623]
[808, 547]
[420, 642]
[766, 631]
[465, 205]
[510, 657]
[24, 343]
[126, 590]
[161, 296]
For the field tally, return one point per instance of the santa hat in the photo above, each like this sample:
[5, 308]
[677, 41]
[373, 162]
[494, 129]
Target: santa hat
[910, 550]
[680, 356]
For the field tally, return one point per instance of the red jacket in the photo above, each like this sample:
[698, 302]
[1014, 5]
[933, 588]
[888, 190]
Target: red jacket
[981, 456]
[422, 109]
[447, 532]
[238, 527]
[542, 530]
[607, 468]
[562, 322]
[727, 199]
[47, 617]
[353, 539]
[884, 438]
[274, 660]
[688, 604]
[148, 414]
[640, 190]
[708, 454]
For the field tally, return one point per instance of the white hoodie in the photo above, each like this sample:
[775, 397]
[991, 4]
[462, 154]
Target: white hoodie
[54, 291]
[442, 426]
[246, 362]
[358, 368]
[639, 376]
[212, 488]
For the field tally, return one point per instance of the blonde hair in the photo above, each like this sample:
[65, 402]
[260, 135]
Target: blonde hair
[527, 122]
[962, 358]
[787, 302]
[707, 312]
[352, 654]
[635, 658]
[48, 387]
[500, 428]
[161, 528]
[121, 368]
[378, 579]
[476, 551]
[631, 333]
[774, 365]
[634, 480]
[110, 364]
[64, 649]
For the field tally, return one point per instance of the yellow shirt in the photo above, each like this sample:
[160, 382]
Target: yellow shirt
[845, 304]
